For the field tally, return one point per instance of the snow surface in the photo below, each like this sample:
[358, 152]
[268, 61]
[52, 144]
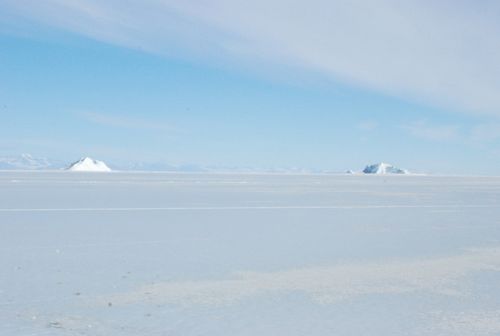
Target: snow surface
[235, 254]
[88, 165]
[383, 168]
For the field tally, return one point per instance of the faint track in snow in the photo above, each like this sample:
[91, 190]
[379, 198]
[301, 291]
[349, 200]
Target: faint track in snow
[298, 207]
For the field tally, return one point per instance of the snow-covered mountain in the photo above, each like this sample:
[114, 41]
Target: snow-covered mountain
[87, 164]
[24, 162]
[383, 168]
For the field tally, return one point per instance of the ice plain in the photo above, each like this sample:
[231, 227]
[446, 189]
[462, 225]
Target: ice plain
[248, 254]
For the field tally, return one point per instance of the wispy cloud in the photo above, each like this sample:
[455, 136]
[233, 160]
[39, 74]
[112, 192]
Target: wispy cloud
[443, 53]
[367, 125]
[125, 122]
[477, 134]
[427, 131]
[485, 133]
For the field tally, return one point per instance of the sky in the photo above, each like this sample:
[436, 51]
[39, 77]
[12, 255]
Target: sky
[327, 85]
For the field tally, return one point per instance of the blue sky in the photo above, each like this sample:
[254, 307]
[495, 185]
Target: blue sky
[322, 85]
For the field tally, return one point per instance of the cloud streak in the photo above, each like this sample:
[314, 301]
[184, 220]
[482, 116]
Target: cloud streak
[125, 122]
[426, 131]
[485, 133]
[444, 53]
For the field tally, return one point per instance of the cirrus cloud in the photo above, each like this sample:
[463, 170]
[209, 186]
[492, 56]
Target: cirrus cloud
[443, 53]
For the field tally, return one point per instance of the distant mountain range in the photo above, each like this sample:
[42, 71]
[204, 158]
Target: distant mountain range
[25, 162]
[29, 162]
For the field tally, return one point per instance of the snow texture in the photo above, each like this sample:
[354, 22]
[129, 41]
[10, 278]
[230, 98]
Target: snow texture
[248, 254]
